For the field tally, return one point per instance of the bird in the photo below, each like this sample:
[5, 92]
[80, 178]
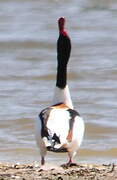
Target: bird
[59, 127]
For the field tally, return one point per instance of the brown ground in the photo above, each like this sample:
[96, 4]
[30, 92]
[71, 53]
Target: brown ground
[79, 172]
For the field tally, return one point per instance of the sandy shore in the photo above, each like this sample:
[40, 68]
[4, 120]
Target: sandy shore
[49, 172]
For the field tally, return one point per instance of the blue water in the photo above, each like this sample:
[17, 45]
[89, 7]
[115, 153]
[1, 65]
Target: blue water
[28, 35]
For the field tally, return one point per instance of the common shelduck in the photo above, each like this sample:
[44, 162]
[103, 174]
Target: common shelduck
[59, 127]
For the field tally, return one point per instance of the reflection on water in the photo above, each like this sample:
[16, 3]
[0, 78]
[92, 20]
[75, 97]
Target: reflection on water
[28, 34]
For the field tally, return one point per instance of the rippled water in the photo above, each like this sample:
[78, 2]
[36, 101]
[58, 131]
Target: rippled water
[28, 34]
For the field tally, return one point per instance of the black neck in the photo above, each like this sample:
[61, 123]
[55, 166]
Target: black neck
[61, 77]
[63, 54]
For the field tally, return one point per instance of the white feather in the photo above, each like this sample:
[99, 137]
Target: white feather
[63, 95]
[78, 133]
[38, 137]
[78, 130]
[58, 123]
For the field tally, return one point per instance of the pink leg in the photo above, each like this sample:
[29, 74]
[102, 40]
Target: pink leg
[71, 162]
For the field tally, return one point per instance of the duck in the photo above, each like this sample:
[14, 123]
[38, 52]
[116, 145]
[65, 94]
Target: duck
[59, 127]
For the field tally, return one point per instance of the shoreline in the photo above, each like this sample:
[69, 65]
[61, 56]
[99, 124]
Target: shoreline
[33, 171]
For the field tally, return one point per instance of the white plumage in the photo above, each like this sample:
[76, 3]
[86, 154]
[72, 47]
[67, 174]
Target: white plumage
[63, 95]
[59, 127]
[57, 122]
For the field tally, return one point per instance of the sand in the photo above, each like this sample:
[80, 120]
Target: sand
[52, 172]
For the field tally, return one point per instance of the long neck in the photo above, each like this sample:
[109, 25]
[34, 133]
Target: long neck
[63, 54]
[62, 94]
[61, 81]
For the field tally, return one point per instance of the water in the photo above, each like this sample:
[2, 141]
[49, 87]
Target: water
[28, 34]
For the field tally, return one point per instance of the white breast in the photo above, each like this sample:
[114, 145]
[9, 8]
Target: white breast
[78, 130]
[58, 122]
